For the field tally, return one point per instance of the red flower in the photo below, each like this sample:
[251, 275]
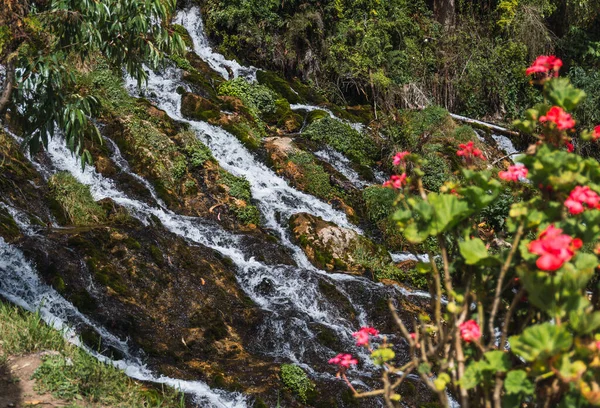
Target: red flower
[596, 133]
[469, 151]
[343, 360]
[362, 336]
[582, 195]
[558, 116]
[399, 158]
[570, 147]
[470, 331]
[514, 173]
[396, 182]
[545, 63]
[554, 248]
[413, 336]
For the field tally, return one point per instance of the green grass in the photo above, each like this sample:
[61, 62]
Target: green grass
[73, 375]
[75, 200]
[313, 178]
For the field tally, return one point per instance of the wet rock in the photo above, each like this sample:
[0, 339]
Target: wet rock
[331, 247]
[198, 108]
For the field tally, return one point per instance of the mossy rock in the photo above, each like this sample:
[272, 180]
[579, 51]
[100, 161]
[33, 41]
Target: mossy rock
[308, 93]
[185, 36]
[279, 85]
[243, 131]
[9, 229]
[198, 108]
[316, 115]
[75, 200]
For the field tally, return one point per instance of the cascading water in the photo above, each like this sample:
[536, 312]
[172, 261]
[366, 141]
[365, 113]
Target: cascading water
[191, 19]
[21, 285]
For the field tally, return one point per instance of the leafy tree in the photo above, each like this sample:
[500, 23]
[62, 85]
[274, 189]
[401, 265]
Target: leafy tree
[42, 40]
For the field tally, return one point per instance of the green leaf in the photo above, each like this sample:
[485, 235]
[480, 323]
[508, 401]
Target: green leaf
[498, 361]
[541, 341]
[474, 375]
[473, 250]
[382, 355]
[562, 93]
[516, 382]
[584, 323]
[424, 368]
[449, 210]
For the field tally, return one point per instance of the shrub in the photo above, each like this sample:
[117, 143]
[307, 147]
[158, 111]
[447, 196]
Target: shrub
[258, 98]
[342, 137]
[312, 177]
[517, 325]
[297, 381]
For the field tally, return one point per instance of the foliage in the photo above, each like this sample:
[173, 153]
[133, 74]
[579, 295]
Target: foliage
[296, 380]
[518, 326]
[313, 177]
[258, 98]
[62, 32]
[72, 374]
[239, 188]
[342, 137]
[379, 202]
[75, 200]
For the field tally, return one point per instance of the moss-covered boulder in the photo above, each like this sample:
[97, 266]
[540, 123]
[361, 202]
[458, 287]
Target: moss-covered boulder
[198, 108]
[334, 248]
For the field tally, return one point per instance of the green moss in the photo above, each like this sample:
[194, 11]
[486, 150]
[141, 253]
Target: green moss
[239, 187]
[379, 202]
[258, 98]
[157, 255]
[295, 379]
[259, 403]
[358, 147]
[197, 154]
[248, 215]
[313, 178]
[316, 115]
[248, 135]
[75, 200]
[279, 85]
[196, 107]
[9, 229]
[179, 167]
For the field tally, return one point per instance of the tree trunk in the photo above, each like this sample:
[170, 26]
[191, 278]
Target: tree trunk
[444, 11]
[9, 81]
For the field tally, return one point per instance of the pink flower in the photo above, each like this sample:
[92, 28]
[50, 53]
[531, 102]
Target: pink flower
[470, 331]
[545, 64]
[514, 173]
[396, 182]
[413, 336]
[343, 360]
[554, 248]
[570, 147]
[469, 151]
[582, 195]
[362, 336]
[596, 133]
[399, 158]
[557, 115]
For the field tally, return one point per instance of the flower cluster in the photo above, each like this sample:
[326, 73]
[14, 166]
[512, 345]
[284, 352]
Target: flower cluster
[343, 361]
[554, 248]
[559, 117]
[470, 331]
[580, 196]
[469, 151]
[399, 158]
[596, 133]
[396, 181]
[545, 64]
[362, 336]
[514, 173]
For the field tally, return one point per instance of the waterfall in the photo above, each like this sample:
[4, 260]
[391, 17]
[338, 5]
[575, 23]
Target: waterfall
[21, 285]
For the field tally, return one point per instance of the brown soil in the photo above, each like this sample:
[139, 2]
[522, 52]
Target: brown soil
[17, 389]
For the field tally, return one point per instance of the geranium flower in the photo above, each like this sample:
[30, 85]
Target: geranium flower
[343, 360]
[545, 64]
[399, 158]
[580, 196]
[570, 147]
[554, 248]
[557, 115]
[396, 182]
[469, 151]
[596, 133]
[470, 331]
[362, 336]
[514, 173]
